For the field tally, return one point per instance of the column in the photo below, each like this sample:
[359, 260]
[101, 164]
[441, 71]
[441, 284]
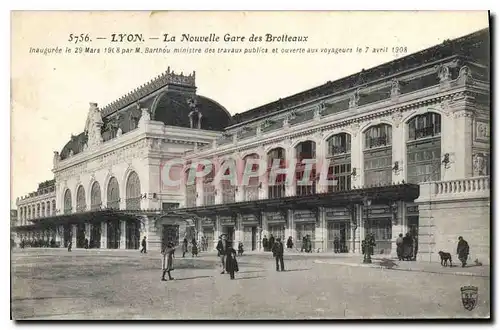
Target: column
[357, 158]
[398, 226]
[398, 151]
[265, 230]
[238, 230]
[59, 236]
[360, 232]
[291, 162]
[88, 229]
[321, 231]
[320, 163]
[217, 231]
[73, 236]
[462, 162]
[290, 225]
[104, 235]
[264, 179]
[123, 234]
[199, 192]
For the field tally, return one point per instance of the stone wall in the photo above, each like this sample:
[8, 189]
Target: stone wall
[449, 209]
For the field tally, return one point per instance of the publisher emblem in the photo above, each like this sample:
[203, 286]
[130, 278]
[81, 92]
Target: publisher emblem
[469, 297]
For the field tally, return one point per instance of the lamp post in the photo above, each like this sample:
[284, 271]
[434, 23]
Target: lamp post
[367, 256]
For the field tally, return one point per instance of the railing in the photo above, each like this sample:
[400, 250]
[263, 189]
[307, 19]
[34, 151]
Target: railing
[378, 142]
[468, 185]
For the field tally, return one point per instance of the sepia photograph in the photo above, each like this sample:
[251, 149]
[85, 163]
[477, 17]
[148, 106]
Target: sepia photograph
[250, 165]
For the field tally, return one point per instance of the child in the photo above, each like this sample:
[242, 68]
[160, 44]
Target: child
[240, 249]
[167, 264]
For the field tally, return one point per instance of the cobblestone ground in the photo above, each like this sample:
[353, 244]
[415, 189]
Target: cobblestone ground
[55, 284]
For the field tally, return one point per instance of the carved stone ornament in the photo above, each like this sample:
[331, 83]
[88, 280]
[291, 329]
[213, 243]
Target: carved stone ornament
[354, 99]
[444, 73]
[93, 126]
[57, 158]
[396, 118]
[71, 153]
[445, 107]
[354, 128]
[395, 88]
[482, 131]
[479, 164]
[145, 116]
[119, 132]
[465, 75]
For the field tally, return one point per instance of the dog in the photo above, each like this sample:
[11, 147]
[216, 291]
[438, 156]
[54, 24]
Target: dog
[445, 257]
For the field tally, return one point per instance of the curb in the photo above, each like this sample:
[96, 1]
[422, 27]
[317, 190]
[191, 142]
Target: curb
[349, 264]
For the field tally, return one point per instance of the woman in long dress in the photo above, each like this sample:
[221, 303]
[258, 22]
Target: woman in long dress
[231, 262]
[167, 264]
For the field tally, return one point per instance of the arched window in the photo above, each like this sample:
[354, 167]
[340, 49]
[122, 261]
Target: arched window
[378, 155]
[423, 148]
[81, 204]
[276, 187]
[95, 196]
[43, 209]
[209, 188]
[252, 187]
[38, 210]
[228, 186]
[54, 207]
[68, 207]
[133, 192]
[339, 159]
[113, 194]
[305, 150]
[47, 209]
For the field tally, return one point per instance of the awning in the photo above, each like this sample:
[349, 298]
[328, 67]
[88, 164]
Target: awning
[378, 195]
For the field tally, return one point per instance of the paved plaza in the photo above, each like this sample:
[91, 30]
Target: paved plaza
[56, 284]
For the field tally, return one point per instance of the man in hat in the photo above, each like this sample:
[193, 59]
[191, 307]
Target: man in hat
[221, 251]
[462, 251]
[278, 251]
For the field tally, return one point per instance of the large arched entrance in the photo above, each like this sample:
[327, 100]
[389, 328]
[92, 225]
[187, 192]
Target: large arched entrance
[113, 226]
[132, 202]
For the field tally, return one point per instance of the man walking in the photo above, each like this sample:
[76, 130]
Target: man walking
[399, 247]
[463, 251]
[221, 251]
[278, 251]
[143, 244]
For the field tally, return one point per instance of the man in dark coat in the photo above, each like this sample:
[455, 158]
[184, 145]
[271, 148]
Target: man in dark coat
[278, 251]
[143, 244]
[222, 250]
[265, 243]
[399, 247]
[336, 244]
[231, 262]
[462, 250]
[407, 247]
[304, 244]
[271, 242]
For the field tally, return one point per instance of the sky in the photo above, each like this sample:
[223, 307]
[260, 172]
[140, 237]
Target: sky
[50, 94]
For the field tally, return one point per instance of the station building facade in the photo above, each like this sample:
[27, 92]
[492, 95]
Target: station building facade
[407, 143]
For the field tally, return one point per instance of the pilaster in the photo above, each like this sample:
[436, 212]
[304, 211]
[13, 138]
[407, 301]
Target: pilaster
[217, 231]
[463, 144]
[398, 149]
[104, 235]
[356, 156]
[88, 229]
[73, 235]
[123, 233]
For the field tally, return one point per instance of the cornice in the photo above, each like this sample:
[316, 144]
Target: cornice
[364, 113]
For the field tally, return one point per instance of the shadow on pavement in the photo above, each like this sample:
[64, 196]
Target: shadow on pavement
[251, 271]
[248, 278]
[296, 270]
[191, 278]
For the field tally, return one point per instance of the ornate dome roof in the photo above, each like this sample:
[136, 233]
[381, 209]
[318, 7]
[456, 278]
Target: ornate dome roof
[172, 109]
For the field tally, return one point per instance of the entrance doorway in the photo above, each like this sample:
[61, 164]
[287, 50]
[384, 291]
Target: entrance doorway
[250, 238]
[67, 235]
[80, 235]
[170, 233]
[342, 231]
[132, 237]
[95, 236]
[229, 231]
[114, 234]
